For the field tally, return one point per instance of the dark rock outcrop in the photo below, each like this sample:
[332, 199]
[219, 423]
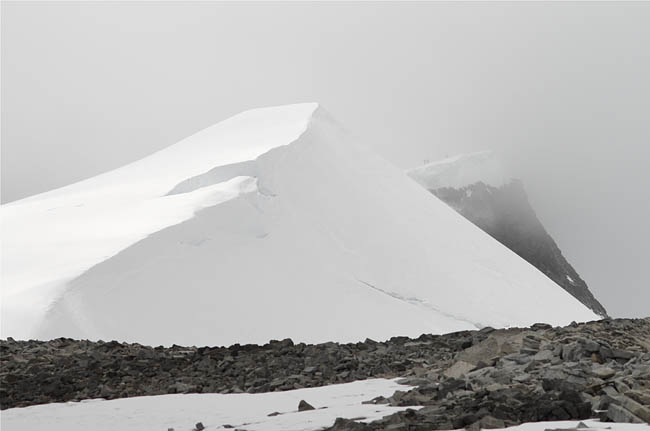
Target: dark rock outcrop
[525, 381]
[505, 375]
[505, 213]
[304, 406]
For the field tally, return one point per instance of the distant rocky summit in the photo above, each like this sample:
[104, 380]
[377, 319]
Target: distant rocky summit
[505, 213]
[476, 187]
[474, 379]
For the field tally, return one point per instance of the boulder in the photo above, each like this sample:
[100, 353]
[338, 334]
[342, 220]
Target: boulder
[490, 422]
[304, 406]
[640, 397]
[460, 368]
[623, 354]
[543, 356]
[603, 372]
[572, 352]
[616, 413]
[498, 344]
[635, 408]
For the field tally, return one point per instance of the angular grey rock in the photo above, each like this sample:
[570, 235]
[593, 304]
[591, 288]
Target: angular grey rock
[490, 422]
[304, 406]
[622, 354]
[610, 391]
[180, 387]
[603, 372]
[572, 352]
[621, 386]
[635, 408]
[522, 378]
[459, 368]
[605, 353]
[640, 397]
[616, 413]
[543, 356]
[377, 400]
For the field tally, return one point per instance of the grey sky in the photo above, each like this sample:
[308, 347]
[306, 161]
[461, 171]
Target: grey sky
[563, 89]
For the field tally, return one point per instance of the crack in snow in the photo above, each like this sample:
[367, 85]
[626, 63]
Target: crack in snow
[418, 302]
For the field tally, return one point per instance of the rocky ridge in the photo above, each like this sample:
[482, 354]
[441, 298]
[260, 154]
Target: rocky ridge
[506, 214]
[601, 369]
[473, 379]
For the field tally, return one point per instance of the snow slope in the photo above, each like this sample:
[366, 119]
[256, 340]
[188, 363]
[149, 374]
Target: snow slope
[182, 412]
[51, 238]
[462, 170]
[481, 188]
[271, 224]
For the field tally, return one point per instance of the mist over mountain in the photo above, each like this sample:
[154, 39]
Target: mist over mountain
[478, 187]
[185, 244]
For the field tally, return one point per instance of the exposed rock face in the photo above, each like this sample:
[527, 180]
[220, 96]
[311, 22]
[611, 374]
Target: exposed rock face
[473, 379]
[505, 213]
[529, 376]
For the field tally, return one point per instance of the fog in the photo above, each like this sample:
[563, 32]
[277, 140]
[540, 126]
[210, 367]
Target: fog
[562, 90]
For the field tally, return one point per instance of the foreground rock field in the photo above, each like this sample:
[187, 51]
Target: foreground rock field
[473, 379]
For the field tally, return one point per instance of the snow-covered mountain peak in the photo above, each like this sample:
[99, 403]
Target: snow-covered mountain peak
[240, 138]
[272, 224]
[53, 237]
[463, 170]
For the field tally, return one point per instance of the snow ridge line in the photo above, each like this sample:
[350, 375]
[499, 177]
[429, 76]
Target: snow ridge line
[248, 168]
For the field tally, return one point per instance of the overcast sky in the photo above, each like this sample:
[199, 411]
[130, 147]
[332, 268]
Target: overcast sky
[561, 89]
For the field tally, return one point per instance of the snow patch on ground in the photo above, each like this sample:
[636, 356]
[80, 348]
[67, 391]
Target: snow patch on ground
[592, 425]
[182, 412]
[244, 411]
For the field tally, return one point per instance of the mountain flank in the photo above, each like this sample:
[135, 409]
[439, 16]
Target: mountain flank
[476, 187]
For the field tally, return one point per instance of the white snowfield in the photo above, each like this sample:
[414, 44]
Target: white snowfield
[182, 412]
[589, 425]
[240, 411]
[271, 224]
[462, 170]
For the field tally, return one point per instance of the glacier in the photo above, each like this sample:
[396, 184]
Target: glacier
[274, 223]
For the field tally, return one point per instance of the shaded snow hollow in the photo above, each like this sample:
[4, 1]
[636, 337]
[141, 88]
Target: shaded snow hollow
[270, 224]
